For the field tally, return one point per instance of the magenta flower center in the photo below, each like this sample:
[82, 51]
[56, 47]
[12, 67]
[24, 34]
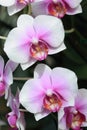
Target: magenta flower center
[2, 89]
[52, 103]
[77, 120]
[39, 51]
[12, 119]
[57, 9]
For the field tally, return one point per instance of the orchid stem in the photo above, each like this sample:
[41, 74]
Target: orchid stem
[21, 78]
[70, 30]
[23, 110]
[2, 37]
[29, 9]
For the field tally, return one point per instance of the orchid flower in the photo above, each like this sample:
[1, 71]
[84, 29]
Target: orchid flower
[33, 39]
[15, 117]
[14, 6]
[6, 77]
[49, 90]
[57, 8]
[75, 117]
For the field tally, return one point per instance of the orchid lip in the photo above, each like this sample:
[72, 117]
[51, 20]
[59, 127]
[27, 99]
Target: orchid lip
[39, 51]
[77, 120]
[57, 9]
[74, 119]
[12, 119]
[52, 102]
[22, 2]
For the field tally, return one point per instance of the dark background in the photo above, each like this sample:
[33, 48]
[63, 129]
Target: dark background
[74, 58]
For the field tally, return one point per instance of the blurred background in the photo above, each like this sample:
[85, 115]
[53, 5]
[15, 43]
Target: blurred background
[74, 58]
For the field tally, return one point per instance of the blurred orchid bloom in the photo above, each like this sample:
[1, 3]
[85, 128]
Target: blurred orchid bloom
[14, 6]
[15, 117]
[57, 8]
[6, 77]
[34, 39]
[49, 91]
[75, 117]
